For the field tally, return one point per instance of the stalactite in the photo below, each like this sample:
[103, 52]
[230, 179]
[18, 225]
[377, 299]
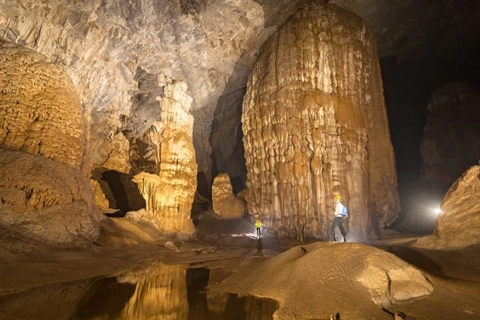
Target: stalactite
[314, 123]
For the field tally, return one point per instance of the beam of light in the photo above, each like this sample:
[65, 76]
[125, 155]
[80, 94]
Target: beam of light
[437, 211]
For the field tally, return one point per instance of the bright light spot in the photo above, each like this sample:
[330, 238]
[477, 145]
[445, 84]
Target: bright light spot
[437, 211]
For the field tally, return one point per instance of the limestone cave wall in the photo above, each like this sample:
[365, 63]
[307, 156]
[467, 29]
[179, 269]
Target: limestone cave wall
[450, 145]
[315, 124]
[120, 54]
[44, 188]
[451, 139]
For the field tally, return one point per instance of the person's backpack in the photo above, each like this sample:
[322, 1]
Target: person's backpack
[344, 211]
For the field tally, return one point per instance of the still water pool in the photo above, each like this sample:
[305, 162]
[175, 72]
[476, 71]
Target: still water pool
[157, 292]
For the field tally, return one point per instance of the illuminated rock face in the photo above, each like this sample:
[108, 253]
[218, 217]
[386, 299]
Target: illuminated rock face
[40, 111]
[44, 190]
[314, 123]
[169, 195]
[459, 223]
[225, 204]
[450, 145]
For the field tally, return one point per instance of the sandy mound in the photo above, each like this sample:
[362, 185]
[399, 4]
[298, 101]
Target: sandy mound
[320, 279]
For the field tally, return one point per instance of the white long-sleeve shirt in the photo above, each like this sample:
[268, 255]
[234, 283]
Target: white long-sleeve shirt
[338, 209]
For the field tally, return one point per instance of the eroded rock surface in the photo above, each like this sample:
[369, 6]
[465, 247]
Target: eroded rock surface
[225, 204]
[449, 146]
[459, 223]
[451, 139]
[344, 273]
[315, 124]
[44, 190]
[40, 110]
[169, 193]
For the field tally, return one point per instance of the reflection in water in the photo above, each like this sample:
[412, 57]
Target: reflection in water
[216, 302]
[159, 292]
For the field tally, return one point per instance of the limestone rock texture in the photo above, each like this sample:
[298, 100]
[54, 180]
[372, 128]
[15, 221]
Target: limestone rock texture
[225, 204]
[458, 225]
[451, 138]
[120, 54]
[44, 190]
[450, 145]
[170, 192]
[40, 110]
[349, 272]
[315, 124]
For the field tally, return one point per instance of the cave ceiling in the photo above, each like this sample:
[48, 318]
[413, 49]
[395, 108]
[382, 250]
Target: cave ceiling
[120, 54]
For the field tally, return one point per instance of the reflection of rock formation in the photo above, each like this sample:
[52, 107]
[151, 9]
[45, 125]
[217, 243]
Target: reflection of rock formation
[315, 123]
[160, 293]
[216, 301]
[225, 204]
[44, 192]
[169, 195]
[459, 223]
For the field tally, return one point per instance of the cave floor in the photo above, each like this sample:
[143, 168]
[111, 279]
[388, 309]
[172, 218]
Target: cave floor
[230, 245]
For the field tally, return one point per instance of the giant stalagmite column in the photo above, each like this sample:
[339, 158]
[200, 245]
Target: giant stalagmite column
[315, 124]
[169, 193]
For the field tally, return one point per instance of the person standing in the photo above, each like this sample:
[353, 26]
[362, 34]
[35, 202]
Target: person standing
[258, 225]
[341, 213]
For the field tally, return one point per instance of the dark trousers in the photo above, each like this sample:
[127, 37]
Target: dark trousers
[337, 222]
[258, 232]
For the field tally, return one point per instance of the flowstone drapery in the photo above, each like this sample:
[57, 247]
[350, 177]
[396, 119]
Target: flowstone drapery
[169, 193]
[315, 124]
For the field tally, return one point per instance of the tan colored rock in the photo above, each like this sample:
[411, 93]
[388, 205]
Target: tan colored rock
[40, 111]
[169, 194]
[225, 204]
[112, 153]
[314, 124]
[44, 192]
[347, 272]
[99, 197]
[458, 225]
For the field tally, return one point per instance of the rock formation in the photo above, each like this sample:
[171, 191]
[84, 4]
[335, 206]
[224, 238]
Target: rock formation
[458, 224]
[338, 271]
[450, 145]
[451, 139]
[44, 190]
[169, 193]
[225, 204]
[114, 51]
[314, 123]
